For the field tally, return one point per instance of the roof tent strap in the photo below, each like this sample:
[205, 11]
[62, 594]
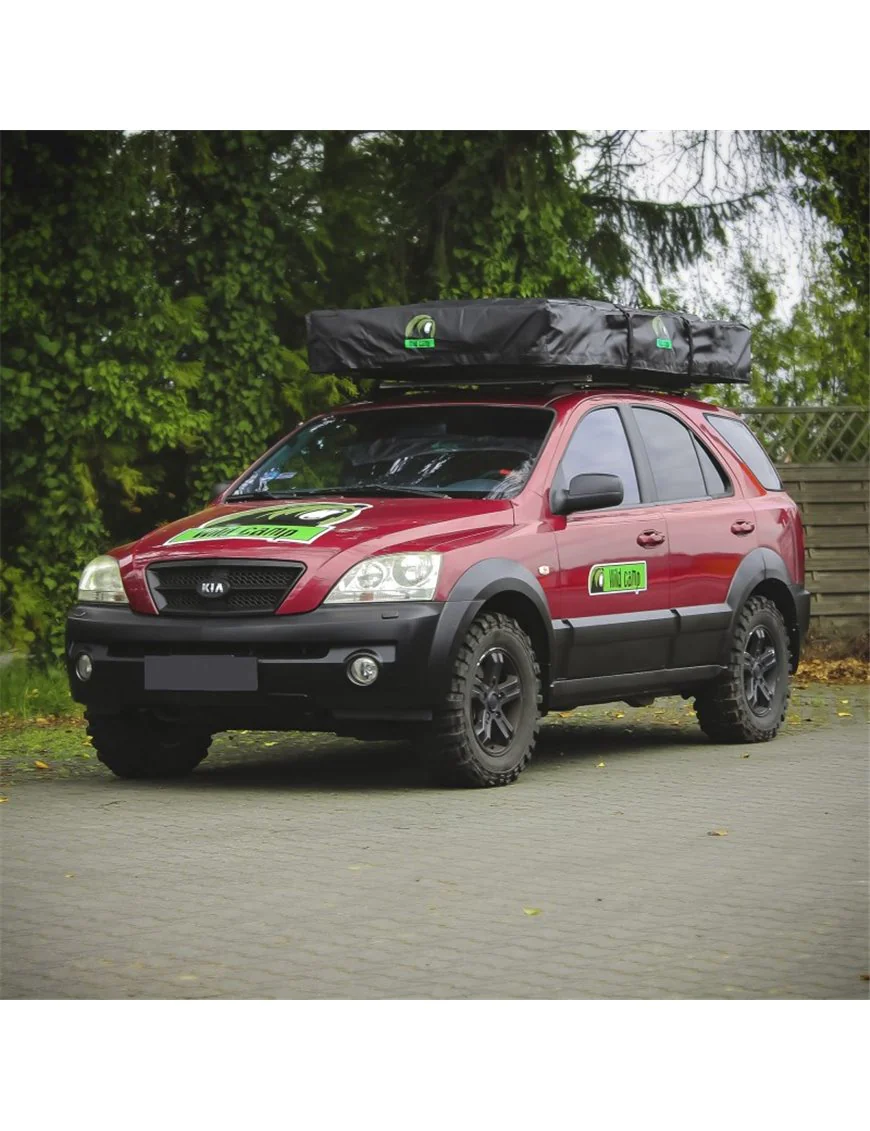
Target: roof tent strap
[690, 372]
[629, 331]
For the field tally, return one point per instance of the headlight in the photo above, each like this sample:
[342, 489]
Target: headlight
[393, 577]
[101, 582]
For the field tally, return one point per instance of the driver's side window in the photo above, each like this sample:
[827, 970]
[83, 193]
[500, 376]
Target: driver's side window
[599, 444]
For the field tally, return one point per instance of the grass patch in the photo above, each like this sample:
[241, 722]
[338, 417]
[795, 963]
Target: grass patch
[28, 694]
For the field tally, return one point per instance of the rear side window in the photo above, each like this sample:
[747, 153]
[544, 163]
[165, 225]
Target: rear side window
[737, 436]
[673, 456]
[599, 444]
[714, 476]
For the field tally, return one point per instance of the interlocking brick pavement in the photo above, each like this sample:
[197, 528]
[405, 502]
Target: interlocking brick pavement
[333, 869]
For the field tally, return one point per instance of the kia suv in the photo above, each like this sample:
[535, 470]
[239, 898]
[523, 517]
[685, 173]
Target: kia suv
[447, 567]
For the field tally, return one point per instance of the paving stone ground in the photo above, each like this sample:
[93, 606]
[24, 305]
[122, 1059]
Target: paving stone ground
[332, 869]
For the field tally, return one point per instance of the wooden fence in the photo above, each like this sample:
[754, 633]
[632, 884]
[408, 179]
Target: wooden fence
[833, 496]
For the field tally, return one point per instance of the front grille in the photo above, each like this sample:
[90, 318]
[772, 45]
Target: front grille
[251, 587]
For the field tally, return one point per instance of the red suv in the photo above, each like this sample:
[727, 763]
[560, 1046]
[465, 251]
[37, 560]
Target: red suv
[449, 566]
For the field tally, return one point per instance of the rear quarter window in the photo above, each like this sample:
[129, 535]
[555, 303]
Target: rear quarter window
[738, 437]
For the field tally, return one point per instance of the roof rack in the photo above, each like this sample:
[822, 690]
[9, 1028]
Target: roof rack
[473, 384]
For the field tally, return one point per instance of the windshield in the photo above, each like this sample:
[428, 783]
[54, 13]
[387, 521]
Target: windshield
[469, 451]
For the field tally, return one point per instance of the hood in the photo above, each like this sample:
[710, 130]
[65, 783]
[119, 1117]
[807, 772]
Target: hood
[327, 536]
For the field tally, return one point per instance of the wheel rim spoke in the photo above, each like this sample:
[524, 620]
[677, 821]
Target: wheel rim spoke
[767, 660]
[509, 690]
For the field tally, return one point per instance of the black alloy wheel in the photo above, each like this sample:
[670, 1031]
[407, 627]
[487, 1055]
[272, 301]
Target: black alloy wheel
[760, 671]
[496, 702]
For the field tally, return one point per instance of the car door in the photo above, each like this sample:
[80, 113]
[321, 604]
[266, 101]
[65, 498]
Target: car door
[613, 598]
[710, 531]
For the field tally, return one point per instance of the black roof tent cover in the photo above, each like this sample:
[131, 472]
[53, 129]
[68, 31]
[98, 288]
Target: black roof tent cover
[520, 339]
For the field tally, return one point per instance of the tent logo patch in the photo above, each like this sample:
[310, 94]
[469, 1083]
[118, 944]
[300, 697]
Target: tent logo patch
[287, 522]
[420, 333]
[617, 577]
[662, 333]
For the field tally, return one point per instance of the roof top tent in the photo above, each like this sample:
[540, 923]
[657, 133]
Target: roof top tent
[535, 340]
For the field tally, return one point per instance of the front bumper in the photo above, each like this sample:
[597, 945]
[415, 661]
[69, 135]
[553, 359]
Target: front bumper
[301, 662]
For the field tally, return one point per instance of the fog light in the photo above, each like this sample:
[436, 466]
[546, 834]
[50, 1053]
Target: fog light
[363, 670]
[84, 667]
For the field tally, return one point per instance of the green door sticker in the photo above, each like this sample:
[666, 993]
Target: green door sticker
[617, 577]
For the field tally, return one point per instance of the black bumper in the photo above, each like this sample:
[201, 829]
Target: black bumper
[301, 662]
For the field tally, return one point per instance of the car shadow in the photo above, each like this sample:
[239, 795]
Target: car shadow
[349, 765]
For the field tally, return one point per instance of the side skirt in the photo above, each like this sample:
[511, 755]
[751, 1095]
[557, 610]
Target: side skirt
[609, 688]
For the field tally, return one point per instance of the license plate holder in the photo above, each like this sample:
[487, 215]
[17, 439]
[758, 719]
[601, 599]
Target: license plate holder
[200, 673]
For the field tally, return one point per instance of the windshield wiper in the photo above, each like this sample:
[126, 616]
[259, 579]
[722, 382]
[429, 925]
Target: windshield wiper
[388, 489]
[355, 489]
[243, 497]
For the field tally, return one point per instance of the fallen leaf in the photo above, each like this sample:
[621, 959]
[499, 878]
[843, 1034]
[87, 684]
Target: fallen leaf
[619, 714]
[270, 743]
[565, 714]
[69, 875]
[2, 799]
[600, 764]
[42, 766]
[844, 714]
[718, 832]
[851, 670]
[865, 977]
[844, 700]
[744, 755]
[531, 911]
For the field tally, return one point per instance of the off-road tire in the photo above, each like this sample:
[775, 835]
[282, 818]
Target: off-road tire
[456, 754]
[135, 745]
[723, 709]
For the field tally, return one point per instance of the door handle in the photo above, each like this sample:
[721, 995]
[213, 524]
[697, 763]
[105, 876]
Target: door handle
[742, 526]
[650, 538]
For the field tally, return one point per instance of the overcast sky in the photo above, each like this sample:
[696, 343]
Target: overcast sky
[774, 233]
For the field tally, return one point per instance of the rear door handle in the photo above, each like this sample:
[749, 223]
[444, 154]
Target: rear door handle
[650, 538]
[742, 526]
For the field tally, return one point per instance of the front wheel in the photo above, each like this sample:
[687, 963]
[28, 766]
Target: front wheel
[747, 703]
[134, 745]
[484, 734]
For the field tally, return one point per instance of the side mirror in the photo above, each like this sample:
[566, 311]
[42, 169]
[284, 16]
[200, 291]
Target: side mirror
[219, 488]
[588, 493]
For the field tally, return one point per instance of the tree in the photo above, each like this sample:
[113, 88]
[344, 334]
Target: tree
[93, 378]
[155, 286]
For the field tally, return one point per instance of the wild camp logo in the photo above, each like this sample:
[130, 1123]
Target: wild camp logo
[286, 522]
[662, 333]
[617, 577]
[420, 333]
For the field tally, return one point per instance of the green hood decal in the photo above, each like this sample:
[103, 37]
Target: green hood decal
[281, 522]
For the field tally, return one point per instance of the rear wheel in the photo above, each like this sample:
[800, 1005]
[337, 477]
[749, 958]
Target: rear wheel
[136, 745]
[747, 703]
[485, 733]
